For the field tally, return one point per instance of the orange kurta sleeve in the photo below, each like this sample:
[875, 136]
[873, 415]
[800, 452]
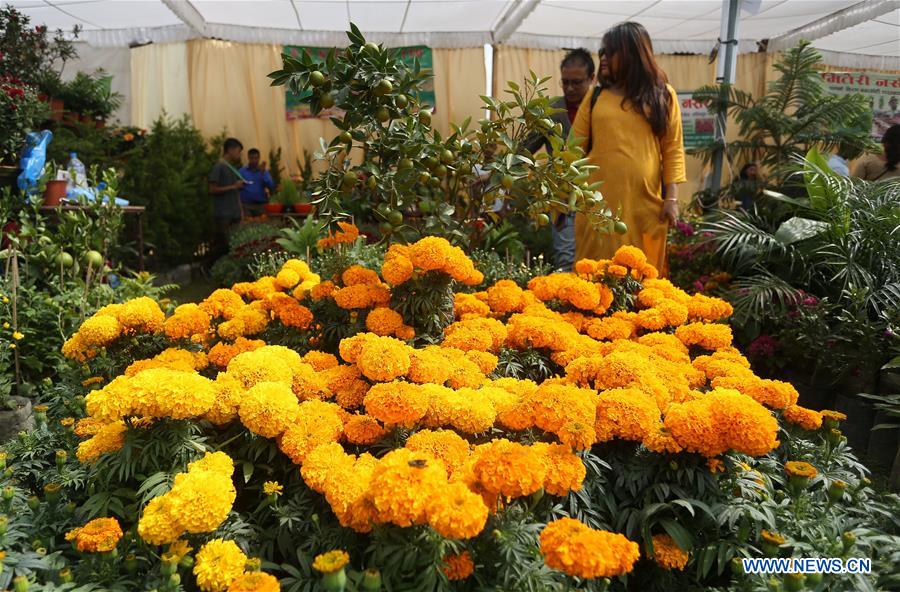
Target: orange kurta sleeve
[581, 128]
[671, 145]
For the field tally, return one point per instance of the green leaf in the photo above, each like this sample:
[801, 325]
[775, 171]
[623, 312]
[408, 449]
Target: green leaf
[678, 533]
[247, 468]
[798, 229]
[893, 365]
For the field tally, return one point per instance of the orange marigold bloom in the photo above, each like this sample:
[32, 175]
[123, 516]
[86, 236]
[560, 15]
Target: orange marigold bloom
[509, 468]
[382, 358]
[188, 320]
[711, 336]
[625, 413]
[383, 321]
[796, 468]
[467, 306]
[317, 423]
[630, 256]
[458, 567]
[397, 403]
[396, 270]
[100, 535]
[580, 551]
[667, 554]
[325, 289]
[222, 353]
[357, 274]
[565, 470]
[455, 512]
[403, 483]
[363, 430]
[444, 445]
[428, 365]
[255, 581]
[320, 361]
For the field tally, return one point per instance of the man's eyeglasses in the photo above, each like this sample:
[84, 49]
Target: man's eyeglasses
[578, 82]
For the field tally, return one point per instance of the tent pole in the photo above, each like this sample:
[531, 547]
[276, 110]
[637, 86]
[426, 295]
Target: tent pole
[725, 71]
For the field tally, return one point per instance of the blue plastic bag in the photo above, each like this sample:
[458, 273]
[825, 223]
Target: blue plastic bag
[33, 159]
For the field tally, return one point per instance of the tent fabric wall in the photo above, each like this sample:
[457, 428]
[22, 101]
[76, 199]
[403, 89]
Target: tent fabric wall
[159, 82]
[226, 88]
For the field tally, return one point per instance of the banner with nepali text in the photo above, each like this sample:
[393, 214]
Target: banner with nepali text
[883, 91]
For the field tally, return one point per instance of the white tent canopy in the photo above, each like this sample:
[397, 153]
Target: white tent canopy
[859, 33]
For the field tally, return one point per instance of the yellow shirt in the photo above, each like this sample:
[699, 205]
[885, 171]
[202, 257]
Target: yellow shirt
[634, 163]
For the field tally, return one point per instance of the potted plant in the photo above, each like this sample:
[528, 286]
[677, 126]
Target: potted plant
[276, 203]
[55, 189]
[292, 198]
[21, 111]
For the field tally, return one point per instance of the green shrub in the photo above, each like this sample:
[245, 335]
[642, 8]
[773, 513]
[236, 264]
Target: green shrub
[168, 175]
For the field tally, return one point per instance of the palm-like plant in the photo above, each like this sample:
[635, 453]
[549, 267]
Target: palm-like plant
[795, 115]
[840, 242]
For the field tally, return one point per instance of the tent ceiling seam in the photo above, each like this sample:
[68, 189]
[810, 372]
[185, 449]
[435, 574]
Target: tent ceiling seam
[297, 14]
[405, 14]
[67, 13]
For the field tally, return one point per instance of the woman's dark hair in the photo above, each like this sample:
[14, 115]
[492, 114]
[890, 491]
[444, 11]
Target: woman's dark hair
[579, 57]
[743, 174]
[891, 142]
[642, 79]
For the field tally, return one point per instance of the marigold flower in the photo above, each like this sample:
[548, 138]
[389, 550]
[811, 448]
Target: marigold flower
[331, 561]
[396, 403]
[317, 423]
[800, 469]
[509, 468]
[455, 512]
[667, 554]
[383, 359]
[458, 566]
[187, 321]
[273, 488]
[580, 551]
[630, 256]
[217, 564]
[255, 581]
[444, 445]
[711, 336]
[383, 321]
[363, 430]
[403, 483]
[565, 470]
[222, 303]
[108, 438]
[808, 419]
[625, 413]
[100, 535]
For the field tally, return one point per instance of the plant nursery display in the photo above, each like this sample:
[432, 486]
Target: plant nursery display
[412, 181]
[393, 427]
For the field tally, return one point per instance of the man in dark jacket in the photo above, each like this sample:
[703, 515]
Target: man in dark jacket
[577, 77]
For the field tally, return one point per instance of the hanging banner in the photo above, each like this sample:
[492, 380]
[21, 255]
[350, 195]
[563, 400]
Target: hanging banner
[883, 91]
[697, 123]
[297, 105]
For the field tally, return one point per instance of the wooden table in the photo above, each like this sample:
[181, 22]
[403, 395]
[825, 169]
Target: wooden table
[137, 211]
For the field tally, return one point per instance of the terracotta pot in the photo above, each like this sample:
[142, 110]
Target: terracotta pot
[55, 191]
[273, 208]
[303, 208]
[57, 108]
[70, 117]
[13, 421]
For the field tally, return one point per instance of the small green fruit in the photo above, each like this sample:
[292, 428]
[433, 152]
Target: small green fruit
[371, 183]
[447, 157]
[93, 259]
[385, 228]
[383, 87]
[395, 218]
[382, 114]
[372, 47]
[349, 179]
[440, 170]
[405, 164]
[316, 78]
[65, 259]
[620, 227]
[326, 101]
[507, 181]
[543, 219]
[345, 137]
[401, 101]
[425, 117]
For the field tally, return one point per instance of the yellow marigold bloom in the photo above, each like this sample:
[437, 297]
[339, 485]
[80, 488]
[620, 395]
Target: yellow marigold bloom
[324, 464]
[577, 550]
[455, 512]
[357, 274]
[494, 330]
[796, 468]
[468, 306]
[711, 336]
[317, 423]
[509, 468]
[383, 359]
[92, 380]
[468, 339]
[286, 279]
[772, 538]
[320, 361]
[362, 296]
[187, 321]
[141, 315]
[565, 470]
[363, 430]
[659, 440]
[255, 581]
[217, 564]
[99, 331]
[323, 290]
[179, 549]
[428, 365]
[222, 303]
[161, 392]
[667, 554]
[506, 297]
[158, 525]
[268, 408]
[331, 561]
[299, 266]
[443, 445]
[383, 321]
[704, 308]
[346, 385]
[88, 426]
[403, 483]
[397, 403]
[458, 567]
[171, 358]
[616, 271]
[290, 312]
[486, 361]
[100, 535]
[771, 393]
[228, 395]
[625, 413]
[108, 438]
[555, 405]
[273, 488]
[265, 364]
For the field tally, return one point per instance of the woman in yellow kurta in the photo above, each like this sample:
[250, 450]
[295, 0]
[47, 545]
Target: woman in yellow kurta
[636, 141]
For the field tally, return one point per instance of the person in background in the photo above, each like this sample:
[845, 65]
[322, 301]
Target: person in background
[225, 184]
[876, 168]
[634, 130]
[747, 186]
[259, 184]
[576, 73]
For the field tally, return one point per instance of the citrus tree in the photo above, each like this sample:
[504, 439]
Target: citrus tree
[410, 180]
